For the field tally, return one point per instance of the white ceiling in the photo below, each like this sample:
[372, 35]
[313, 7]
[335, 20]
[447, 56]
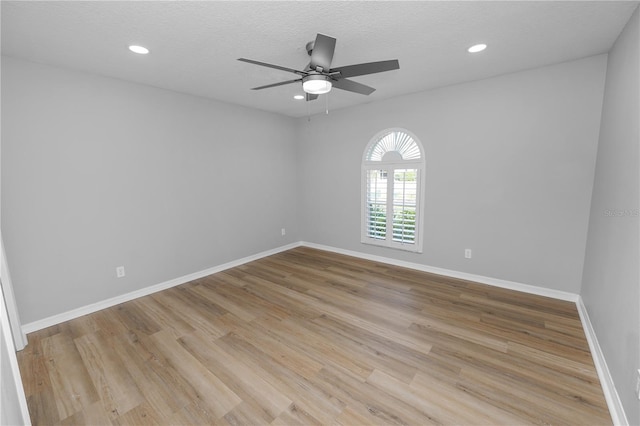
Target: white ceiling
[194, 45]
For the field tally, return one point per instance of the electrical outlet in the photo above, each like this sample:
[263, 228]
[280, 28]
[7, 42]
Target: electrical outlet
[638, 384]
[467, 253]
[283, 231]
[120, 271]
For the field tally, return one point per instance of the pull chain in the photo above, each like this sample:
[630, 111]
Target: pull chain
[327, 103]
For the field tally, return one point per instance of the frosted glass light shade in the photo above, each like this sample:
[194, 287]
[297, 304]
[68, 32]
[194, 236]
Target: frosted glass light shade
[316, 84]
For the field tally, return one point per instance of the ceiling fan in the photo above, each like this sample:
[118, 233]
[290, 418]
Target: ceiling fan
[318, 77]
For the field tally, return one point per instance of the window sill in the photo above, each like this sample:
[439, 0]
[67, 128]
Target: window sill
[412, 248]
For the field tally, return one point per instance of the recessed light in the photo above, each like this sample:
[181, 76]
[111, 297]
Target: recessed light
[298, 97]
[139, 49]
[477, 48]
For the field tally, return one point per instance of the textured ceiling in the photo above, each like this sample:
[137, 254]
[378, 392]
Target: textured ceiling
[194, 45]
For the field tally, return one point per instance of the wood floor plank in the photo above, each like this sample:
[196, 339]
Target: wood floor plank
[563, 384]
[225, 302]
[380, 345]
[293, 415]
[504, 388]
[136, 319]
[161, 397]
[196, 318]
[246, 413]
[245, 382]
[280, 351]
[539, 331]
[78, 327]
[43, 407]
[165, 318]
[438, 413]
[375, 359]
[282, 297]
[350, 417]
[308, 397]
[457, 400]
[322, 351]
[70, 380]
[465, 330]
[364, 308]
[309, 337]
[168, 379]
[194, 414]
[142, 415]
[215, 395]
[583, 369]
[94, 414]
[384, 408]
[380, 330]
[36, 374]
[117, 389]
[108, 323]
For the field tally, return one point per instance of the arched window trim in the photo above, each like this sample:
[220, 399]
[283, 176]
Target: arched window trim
[389, 168]
[408, 144]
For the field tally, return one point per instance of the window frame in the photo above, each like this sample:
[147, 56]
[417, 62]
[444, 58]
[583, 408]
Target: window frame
[390, 166]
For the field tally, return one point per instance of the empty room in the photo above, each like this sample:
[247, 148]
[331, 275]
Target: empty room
[320, 213]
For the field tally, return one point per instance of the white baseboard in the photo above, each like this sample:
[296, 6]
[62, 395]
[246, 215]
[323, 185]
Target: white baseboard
[614, 403]
[94, 307]
[511, 285]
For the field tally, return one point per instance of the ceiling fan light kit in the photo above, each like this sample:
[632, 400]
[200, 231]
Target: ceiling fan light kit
[319, 78]
[316, 84]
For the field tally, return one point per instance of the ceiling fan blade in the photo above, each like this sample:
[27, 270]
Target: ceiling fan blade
[368, 68]
[353, 86]
[322, 53]
[282, 83]
[277, 67]
[311, 97]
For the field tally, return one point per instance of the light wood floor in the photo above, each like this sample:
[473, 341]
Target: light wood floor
[311, 337]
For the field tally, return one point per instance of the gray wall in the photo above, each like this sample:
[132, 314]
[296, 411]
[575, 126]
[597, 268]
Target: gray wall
[98, 173]
[510, 163]
[611, 283]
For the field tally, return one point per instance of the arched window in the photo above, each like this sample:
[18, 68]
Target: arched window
[392, 181]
